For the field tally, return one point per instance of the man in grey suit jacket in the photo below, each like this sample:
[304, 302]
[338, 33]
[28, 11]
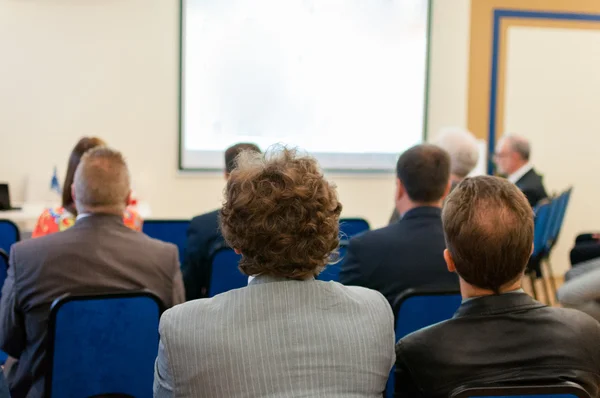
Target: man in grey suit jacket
[286, 334]
[272, 337]
[98, 254]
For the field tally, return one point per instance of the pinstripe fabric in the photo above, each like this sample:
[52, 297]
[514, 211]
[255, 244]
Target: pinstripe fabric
[277, 338]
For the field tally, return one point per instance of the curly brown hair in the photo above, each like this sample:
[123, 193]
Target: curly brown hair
[281, 213]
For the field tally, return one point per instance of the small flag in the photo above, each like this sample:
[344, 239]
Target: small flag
[54, 184]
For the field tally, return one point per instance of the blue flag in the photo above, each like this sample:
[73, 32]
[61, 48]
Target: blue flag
[54, 184]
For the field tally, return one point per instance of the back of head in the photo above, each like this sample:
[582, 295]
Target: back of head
[488, 225]
[463, 149]
[84, 145]
[233, 151]
[101, 182]
[519, 145]
[424, 171]
[281, 214]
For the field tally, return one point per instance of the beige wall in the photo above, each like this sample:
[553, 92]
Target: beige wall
[551, 99]
[110, 68]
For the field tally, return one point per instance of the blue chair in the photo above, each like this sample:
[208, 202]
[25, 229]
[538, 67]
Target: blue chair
[350, 227]
[332, 271]
[562, 203]
[561, 390]
[224, 272]
[172, 231]
[3, 271]
[418, 308]
[103, 344]
[548, 224]
[558, 221]
[545, 214]
[9, 234]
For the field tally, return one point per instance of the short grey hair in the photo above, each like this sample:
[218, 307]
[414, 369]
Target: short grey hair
[519, 145]
[101, 181]
[462, 147]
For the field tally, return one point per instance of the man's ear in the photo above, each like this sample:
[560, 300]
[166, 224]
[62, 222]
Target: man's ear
[532, 248]
[128, 199]
[449, 261]
[73, 192]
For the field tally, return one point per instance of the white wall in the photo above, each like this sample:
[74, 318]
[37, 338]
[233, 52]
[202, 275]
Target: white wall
[110, 68]
[561, 78]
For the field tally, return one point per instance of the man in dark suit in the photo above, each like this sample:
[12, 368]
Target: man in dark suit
[499, 335]
[512, 159]
[463, 149]
[408, 253]
[204, 237]
[98, 254]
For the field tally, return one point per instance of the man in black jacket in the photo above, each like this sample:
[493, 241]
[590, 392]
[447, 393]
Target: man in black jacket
[204, 237]
[408, 253]
[499, 335]
[512, 159]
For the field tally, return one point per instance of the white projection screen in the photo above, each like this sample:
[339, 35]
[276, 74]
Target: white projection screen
[343, 80]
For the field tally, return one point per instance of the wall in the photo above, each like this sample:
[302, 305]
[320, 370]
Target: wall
[546, 84]
[110, 68]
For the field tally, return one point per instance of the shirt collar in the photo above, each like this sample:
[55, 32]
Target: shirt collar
[516, 176]
[511, 292]
[422, 211]
[82, 215]
[497, 304]
[261, 279]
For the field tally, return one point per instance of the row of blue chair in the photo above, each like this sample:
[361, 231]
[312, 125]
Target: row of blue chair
[225, 274]
[549, 219]
[175, 231]
[121, 329]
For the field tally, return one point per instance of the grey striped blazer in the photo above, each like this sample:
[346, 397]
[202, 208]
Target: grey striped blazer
[277, 338]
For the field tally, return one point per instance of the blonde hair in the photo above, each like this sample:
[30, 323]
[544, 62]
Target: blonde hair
[101, 182]
[463, 149]
[281, 213]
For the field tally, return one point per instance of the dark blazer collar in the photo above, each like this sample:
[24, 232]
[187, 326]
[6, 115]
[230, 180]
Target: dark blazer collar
[422, 211]
[497, 304]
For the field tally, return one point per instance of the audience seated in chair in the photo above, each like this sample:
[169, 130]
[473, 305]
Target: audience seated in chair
[204, 237]
[587, 247]
[512, 159]
[98, 254]
[499, 335]
[286, 334]
[582, 288]
[463, 149]
[61, 218]
[409, 253]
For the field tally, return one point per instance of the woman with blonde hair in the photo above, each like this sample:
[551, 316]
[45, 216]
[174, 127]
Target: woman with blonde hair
[286, 334]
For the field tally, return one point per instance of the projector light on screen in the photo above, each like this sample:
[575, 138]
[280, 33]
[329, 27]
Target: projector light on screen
[341, 79]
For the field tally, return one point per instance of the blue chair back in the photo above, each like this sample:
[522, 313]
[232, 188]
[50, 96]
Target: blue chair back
[560, 390]
[3, 271]
[562, 202]
[224, 272]
[350, 227]
[544, 213]
[332, 271]
[103, 344]
[9, 234]
[172, 231]
[418, 308]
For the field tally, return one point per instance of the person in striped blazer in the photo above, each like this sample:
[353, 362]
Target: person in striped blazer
[286, 334]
